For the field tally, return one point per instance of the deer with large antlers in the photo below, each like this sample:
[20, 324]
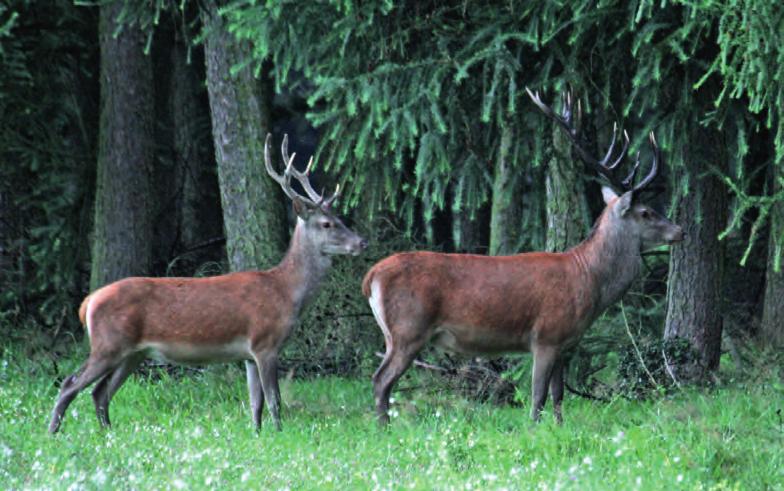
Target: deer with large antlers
[539, 302]
[239, 316]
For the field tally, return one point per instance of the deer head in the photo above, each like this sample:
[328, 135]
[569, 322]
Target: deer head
[622, 196]
[316, 221]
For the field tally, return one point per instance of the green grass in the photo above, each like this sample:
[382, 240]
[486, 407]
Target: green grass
[195, 432]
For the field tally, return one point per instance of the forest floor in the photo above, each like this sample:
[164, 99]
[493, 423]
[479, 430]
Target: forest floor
[194, 432]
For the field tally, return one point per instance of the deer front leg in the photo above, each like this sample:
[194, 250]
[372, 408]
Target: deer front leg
[268, 371]
[255, 392]
[544, 361]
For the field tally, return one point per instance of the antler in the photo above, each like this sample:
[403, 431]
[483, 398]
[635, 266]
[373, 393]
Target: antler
[314, 199]
[603, 166]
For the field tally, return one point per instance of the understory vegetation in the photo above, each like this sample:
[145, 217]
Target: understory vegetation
[191, 429]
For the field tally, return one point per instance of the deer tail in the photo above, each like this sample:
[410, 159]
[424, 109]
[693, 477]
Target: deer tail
[366, 282]
[83, 310]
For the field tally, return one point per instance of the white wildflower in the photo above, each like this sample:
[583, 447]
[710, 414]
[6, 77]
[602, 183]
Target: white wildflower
[99, 478]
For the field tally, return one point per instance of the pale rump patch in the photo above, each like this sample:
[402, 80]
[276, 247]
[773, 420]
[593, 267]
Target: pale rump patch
[88, 319]
[378, 311]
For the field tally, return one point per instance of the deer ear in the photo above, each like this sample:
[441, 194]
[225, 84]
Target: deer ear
[300, 208]
[624, 203]
[608, 194]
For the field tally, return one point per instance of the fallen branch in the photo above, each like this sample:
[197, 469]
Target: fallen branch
[637, 350]
[422, 364]
[585, 395]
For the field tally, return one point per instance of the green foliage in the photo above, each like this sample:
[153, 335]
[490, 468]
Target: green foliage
[411, 96]
[195, 432]
[643, 369]
[336, 333]
[46, 151]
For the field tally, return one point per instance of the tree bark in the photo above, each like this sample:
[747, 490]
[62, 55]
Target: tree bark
[123, 231]
[254, 216]
[506, 209]
[694, 287]
[566, 206]
[200, 216]
[772, 327]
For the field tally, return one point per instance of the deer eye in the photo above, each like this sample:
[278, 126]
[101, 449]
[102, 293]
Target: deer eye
[326, 224]
[645, 214]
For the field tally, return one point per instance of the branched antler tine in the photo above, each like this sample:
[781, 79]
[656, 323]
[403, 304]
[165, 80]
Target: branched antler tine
[654, 165]
[328, 201]
[622, 154]
[566, 111]
[284, 179]
[565, 123]
[629, 181]
[280, 179]
[609, 153]
[303, 179]
[284, 149]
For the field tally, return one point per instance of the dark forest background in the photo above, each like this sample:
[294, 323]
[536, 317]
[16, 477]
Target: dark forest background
[131, 141]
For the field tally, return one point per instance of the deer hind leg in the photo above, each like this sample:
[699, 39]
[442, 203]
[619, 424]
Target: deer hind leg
[267, 364]
[110, 384]
[544, 361]
[255, 392]
[400, 353]
[557, 387]
[95, 368]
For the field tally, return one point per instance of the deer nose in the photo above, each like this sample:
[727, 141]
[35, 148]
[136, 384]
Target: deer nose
[363, 243]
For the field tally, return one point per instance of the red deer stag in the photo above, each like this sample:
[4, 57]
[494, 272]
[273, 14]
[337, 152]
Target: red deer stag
[239, 316]
[539, 301]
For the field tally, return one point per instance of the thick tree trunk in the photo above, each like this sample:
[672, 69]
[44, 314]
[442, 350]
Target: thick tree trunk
[772, 328]
[253, 211]
[566, 207]
[694, 287]
[200, 217]
[506, 209]
[123, 231]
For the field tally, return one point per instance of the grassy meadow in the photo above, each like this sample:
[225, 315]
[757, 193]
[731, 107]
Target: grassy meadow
[194, 432]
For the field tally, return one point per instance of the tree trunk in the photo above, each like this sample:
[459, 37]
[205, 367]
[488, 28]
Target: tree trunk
[566, 207]
[200, 217]
[772, 328]
[506, 210]
[253, 212]
[123, 231]
[694, 287]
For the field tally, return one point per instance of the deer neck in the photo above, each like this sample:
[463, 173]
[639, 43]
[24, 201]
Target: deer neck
[611, 258]
[304, 266]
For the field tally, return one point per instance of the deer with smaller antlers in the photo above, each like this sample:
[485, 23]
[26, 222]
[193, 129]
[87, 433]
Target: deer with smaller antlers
[246, 315]
[539, 301]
